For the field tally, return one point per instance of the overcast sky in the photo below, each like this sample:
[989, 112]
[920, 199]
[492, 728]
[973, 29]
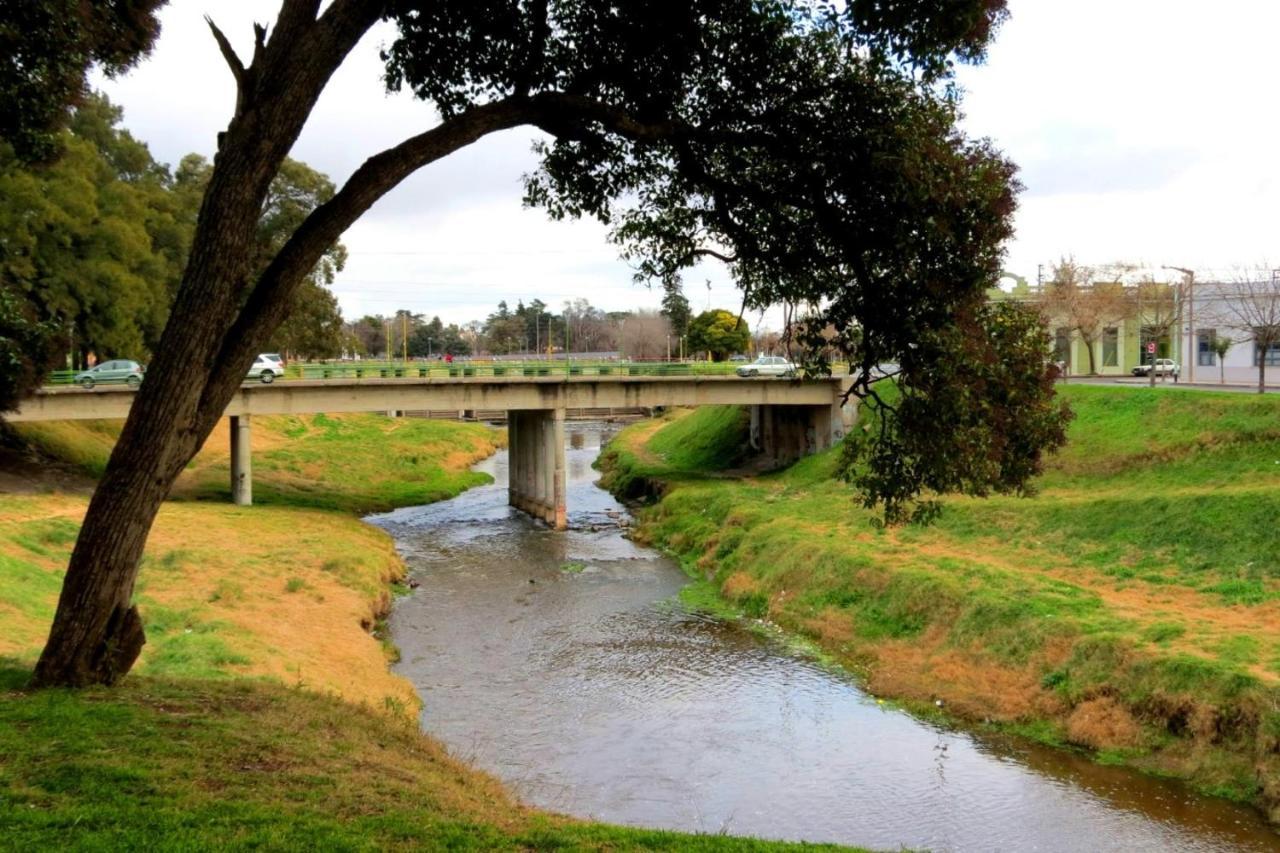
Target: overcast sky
[1146, 130]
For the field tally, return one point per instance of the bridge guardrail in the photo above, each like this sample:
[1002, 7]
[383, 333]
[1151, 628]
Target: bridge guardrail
[467, 369]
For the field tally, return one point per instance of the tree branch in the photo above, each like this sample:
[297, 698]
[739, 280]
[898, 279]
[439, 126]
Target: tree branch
[238, 70]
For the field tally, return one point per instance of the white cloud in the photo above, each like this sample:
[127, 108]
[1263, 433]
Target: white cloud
[1145, 130]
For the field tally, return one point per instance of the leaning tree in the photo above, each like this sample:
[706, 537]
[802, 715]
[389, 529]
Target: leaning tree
[813, 147]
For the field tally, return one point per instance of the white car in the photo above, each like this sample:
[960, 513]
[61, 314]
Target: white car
[1164, 367]
[767, 365]
[265, 369]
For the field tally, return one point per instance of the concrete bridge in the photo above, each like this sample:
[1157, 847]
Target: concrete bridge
[789, 418]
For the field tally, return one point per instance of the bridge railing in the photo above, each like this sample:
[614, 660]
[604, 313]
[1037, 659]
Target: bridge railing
[463, 369]
[477, 368]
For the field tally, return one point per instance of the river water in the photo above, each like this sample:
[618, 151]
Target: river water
[561, 663]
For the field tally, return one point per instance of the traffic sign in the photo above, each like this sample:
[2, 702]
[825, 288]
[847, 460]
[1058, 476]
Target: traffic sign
[1151, 347]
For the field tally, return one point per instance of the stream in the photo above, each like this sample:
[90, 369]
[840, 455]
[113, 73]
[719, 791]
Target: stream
[563, 664]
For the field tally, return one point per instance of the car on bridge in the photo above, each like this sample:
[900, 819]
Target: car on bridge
[266, 368]
[767, 365]
[112, 372]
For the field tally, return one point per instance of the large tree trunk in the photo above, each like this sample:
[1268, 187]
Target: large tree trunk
[96, 633]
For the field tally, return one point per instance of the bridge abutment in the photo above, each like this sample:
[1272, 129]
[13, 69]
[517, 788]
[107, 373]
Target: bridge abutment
[782, 434]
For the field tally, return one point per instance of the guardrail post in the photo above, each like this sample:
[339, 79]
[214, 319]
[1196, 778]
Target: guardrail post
[241, 473]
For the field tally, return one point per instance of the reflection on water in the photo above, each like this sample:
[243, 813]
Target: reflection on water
[559, 662]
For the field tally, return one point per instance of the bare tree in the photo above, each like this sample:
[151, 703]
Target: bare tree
[1086, 304]
[644, 335]
[1250, 305]
[1159, 307]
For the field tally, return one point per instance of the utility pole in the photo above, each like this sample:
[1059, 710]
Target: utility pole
[404, 343]
[1193, 341]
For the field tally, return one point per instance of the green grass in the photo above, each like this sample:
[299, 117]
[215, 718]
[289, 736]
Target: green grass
[1144, 570]
[352, 463]
[161, 764]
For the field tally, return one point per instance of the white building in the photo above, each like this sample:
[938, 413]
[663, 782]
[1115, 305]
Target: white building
[1216, 310]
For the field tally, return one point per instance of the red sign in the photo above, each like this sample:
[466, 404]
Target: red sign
[1151, 347]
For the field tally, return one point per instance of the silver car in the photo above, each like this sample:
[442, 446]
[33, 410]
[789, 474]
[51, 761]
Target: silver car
[767, 365]
[111, 372]
[265, 369]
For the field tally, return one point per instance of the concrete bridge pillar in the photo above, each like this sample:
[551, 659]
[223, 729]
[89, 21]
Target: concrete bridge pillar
[241, 473]
[536, 467]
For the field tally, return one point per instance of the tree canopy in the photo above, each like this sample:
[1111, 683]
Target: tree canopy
[813, 148]
[46, 49]
[720, 333]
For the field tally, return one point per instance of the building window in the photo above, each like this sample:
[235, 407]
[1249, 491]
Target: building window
[1272, 354]
[1205, 339]
[1111, 347]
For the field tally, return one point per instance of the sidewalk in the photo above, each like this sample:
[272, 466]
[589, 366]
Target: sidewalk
[1143, 382]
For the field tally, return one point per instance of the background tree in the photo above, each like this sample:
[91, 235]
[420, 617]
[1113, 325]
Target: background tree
[370, 334]
[1076, 298]
[644, 336]
[1250, 306]
[505, 331]
[313, 326]
[675, 307]
[1221, 345]
[80, 239]
[817, 144]
[27, 349]
[1159, 311]
[46, 50]
[719, 333]
[587, 328]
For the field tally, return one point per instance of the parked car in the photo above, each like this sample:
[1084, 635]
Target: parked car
[276, 357]
[738, 357]
[767, 365]
[128, 372]
[265, 370]
[1163, 367]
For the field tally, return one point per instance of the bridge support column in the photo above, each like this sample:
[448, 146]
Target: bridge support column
[241, 473]
[536, 472]
[560, 477]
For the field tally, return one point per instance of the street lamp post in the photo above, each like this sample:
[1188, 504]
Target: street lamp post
[1193, 342]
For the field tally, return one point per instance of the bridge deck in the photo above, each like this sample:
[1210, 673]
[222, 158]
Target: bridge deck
[457, 393]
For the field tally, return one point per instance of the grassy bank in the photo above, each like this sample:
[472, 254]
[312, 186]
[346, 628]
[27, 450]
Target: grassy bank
[165, 764]
[1132, 608]
[262, 713]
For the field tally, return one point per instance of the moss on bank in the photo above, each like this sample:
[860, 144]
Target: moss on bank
[1133, 608]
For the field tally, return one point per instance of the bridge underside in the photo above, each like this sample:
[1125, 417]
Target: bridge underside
[789, 419]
